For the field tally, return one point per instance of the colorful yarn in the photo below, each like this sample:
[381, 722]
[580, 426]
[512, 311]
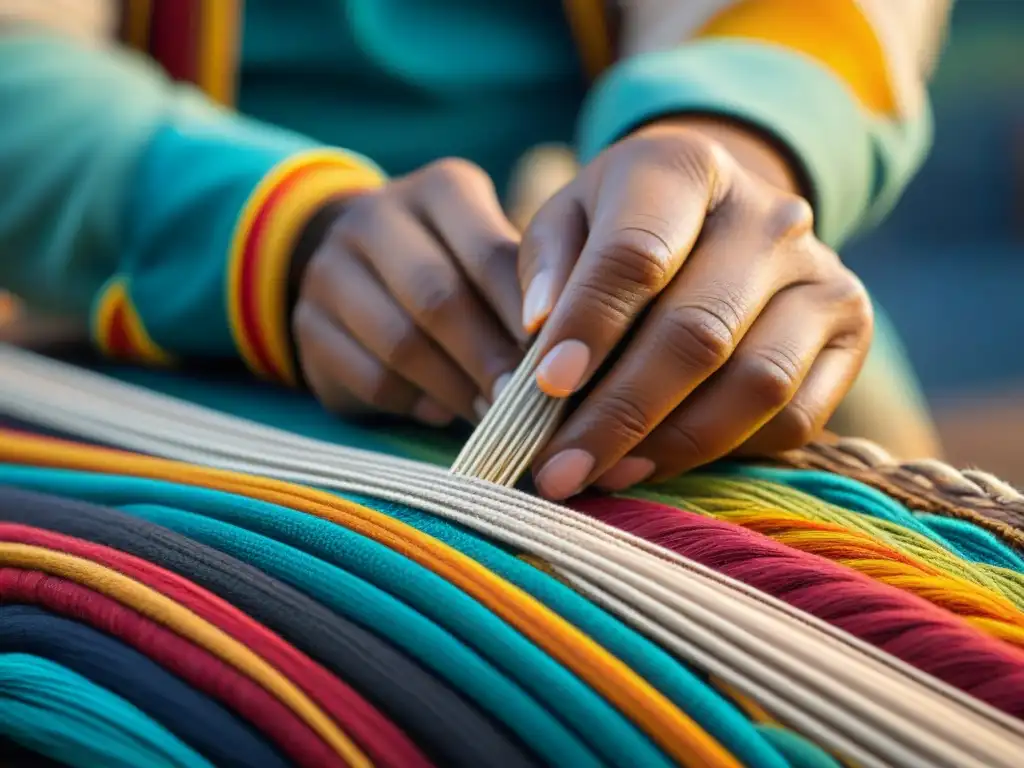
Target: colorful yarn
[62, 715]
[532, 723]
[681, 738]
[982, 608]
[199, 666]
[963, 538]
[905, 626]
[434, 597]
[552, 643]
[387, 745]
[718, 495]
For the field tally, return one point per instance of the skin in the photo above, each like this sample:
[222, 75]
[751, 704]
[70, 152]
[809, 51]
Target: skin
[420, 298]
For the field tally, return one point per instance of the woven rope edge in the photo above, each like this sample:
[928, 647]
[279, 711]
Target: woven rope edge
[926, 485]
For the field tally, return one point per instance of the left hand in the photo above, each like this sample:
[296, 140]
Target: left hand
[755, 332]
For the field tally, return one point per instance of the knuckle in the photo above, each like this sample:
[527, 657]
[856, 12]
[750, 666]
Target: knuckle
[854, 295]
[400, 342]
[436, 292]
[794, 427]
[637, 260]
[451, 173]
[606, 306]
[363, 218]
[621, 414]
[680, 445]
[701, 335]
[771, 375]
[788, 217]
[381, 389]
[492, 260]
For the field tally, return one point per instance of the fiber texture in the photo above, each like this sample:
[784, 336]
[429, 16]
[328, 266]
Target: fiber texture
[902, 624]
[183, 587]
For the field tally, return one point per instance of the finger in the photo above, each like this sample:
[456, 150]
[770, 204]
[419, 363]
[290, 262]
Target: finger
[353, 298]
[457, 202]
[758, 382]
[831, 377]
[421, 277]
[643, 222]
[550, 247]
[804, 418]
[338, 369]
[689, 334]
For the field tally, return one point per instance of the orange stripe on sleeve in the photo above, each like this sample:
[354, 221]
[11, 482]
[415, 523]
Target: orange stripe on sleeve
[836, 33]
[118, 329]
[264, 240]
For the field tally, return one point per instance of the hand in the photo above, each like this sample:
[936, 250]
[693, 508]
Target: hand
[411, 305]
[754, 330]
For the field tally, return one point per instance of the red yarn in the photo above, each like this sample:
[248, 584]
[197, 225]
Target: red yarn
[904, 625]
[382, 740]
[177, 655]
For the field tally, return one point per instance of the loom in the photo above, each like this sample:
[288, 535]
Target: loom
[191, 575]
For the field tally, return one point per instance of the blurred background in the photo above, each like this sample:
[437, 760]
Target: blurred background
[948, 266]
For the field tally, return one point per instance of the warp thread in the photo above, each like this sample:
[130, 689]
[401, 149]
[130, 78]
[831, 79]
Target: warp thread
[982, 608]
[719, 496]
[902, 624]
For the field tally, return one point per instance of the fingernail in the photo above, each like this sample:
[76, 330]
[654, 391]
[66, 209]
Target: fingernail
[563, 476]
[430, 412]
[561, 371]
[537, 301]
[499, 386]
[627, 473]
[481, 406]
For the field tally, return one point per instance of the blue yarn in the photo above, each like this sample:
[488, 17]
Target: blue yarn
[57, 713]
[967, 541]
[979, 544]
[716, 715]
[387, 617]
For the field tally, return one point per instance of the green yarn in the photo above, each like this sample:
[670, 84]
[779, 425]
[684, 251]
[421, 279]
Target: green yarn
[401, 577]
[403, 627]
[51, 710]
[717, 495]
[967, 540]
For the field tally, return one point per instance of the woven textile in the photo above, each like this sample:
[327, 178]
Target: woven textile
[237, 580]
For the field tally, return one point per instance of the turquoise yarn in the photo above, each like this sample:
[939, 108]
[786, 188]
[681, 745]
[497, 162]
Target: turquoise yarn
[51, 710]
[402, 627]
[979, 545]
[799, 751]
[391, 572]
[964, 539]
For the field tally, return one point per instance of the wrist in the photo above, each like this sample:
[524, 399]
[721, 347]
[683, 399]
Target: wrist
[758, 152]
[279, 224]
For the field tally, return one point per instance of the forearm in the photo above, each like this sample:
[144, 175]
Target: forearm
[136, 204]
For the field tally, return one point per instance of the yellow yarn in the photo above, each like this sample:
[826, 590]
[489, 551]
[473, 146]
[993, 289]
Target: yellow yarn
[727, 499]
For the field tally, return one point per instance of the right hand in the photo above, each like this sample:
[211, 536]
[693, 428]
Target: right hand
[411, 304]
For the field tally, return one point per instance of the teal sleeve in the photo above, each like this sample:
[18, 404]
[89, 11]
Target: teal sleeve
[121, 195]
[857, 163]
